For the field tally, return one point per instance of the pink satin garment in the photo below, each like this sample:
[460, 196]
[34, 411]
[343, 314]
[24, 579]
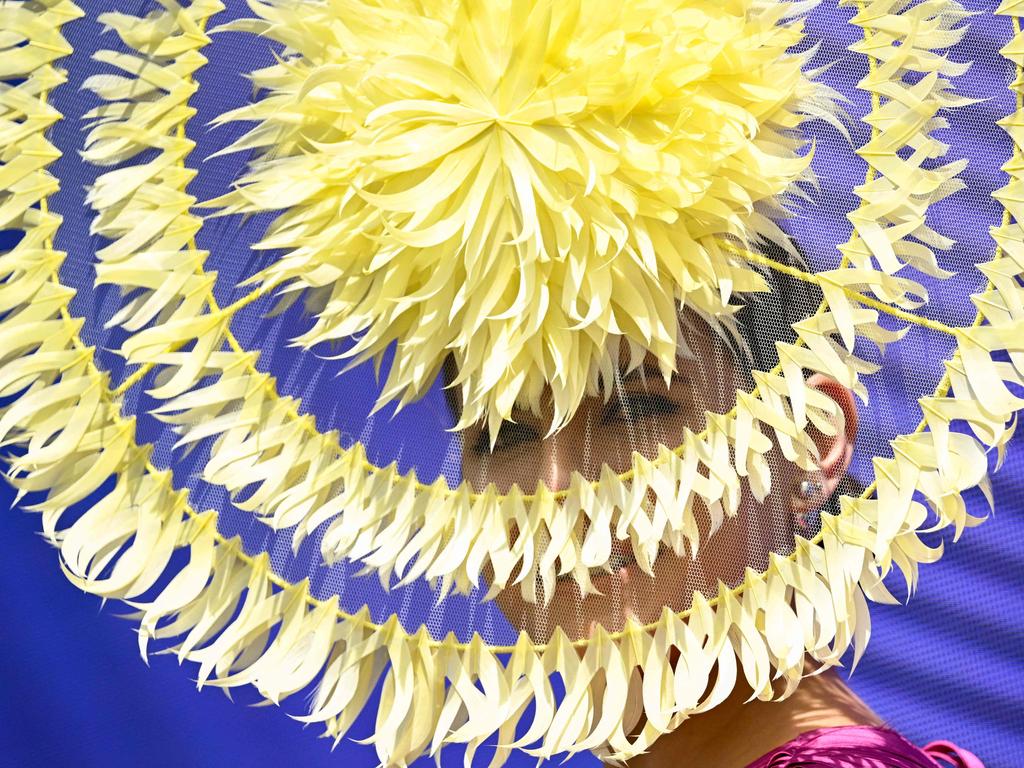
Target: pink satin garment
[864, 746]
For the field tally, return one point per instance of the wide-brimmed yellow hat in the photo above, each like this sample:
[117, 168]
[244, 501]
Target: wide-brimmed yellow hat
[535, 369]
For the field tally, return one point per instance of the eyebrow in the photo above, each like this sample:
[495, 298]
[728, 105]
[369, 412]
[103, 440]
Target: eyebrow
[647, 369]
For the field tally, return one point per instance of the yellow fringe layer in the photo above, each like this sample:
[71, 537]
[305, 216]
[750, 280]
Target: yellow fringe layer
[405, 529]
[69, 438]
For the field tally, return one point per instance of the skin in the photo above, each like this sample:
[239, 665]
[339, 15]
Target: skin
[606, 433]
[602, 433]
[737, 732]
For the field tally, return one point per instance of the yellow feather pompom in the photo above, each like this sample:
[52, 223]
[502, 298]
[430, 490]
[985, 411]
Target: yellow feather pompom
[520, 183]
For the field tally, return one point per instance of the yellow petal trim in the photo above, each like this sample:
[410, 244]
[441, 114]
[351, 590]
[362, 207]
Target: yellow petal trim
[69, 438]
[407, 529]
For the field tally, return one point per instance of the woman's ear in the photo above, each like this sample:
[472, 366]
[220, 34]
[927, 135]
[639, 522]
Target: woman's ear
[835, 451]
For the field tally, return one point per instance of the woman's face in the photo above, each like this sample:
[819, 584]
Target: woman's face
[641, 414]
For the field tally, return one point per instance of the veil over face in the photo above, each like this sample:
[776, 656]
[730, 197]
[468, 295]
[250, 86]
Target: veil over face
[493, 358]
[643, 414]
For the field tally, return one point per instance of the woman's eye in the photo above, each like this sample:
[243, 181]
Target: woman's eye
[509, 436]
[638, 405]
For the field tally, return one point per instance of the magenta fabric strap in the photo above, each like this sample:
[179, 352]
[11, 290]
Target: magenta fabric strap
[864, 746]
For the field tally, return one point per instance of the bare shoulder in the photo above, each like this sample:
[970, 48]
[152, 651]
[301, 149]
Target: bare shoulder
[825, 700]
[822, 700]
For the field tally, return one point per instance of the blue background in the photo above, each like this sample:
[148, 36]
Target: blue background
[73, 690]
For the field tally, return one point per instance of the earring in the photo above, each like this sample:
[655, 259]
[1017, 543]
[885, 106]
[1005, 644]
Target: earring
[807, 492]
[809, 489]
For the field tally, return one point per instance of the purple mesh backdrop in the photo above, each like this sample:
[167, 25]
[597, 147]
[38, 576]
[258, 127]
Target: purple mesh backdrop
[959, 637]
[412, 438]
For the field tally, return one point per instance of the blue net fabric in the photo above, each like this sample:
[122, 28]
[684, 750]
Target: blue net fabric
[416, 439]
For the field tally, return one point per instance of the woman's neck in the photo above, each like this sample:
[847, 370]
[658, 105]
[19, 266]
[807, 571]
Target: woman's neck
[735, 734]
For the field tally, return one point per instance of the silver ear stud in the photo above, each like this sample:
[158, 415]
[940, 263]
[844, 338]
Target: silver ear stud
[809, 489]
